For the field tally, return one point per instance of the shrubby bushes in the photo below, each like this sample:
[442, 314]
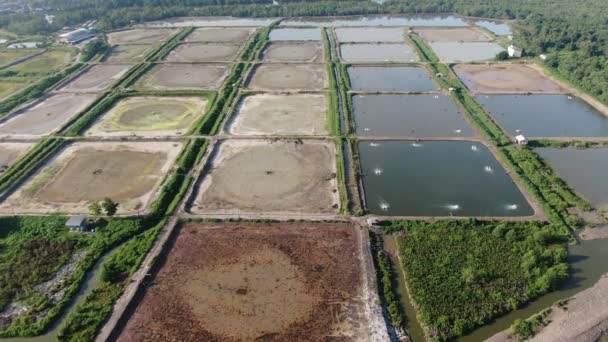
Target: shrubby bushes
[462, 273]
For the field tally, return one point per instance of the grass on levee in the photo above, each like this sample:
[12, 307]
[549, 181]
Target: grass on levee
[463, 273]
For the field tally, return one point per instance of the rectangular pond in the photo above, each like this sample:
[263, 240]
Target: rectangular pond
[545, 115]
[379, 20]
[390, 78]
[403, 115]
[583, 169]
[437, 178]
[497, 27]
[295, 34]
[370, 34]
[378, 53]
[463, 52]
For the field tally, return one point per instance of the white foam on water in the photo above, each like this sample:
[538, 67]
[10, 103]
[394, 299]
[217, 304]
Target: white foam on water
[511, 206]
[474, 148]
[452, 207]
[488, 169]
[378, 171]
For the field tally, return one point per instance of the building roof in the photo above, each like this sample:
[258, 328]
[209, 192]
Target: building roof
[74, 221]
[516, 48]
[520, 138]
[76, 35]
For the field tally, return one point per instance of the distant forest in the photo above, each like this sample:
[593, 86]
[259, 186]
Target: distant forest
[574, 33]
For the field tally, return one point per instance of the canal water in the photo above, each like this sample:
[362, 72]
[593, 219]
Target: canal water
[92, 281]
[585, 170]
[462, 52]
[378, 53]
[388, 78]
[437, 178]
[545, 115]
[422, 115]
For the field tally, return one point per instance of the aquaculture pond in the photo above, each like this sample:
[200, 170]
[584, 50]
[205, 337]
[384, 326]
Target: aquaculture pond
[377, 21]
[585, 170]
[383, 78]
[378, 53]
[437, 178]
[295, 34]
[545, 115]
[497, 27]
[463, 52]
[370, 34]
[587, 264]
[404, 115]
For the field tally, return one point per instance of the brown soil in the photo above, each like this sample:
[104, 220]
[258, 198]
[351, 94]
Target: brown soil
[265, 176]
[289, 76]
[262, 282]
[140, 36]
[184, 76]
[460, 34]
[196, 53]
[310, 52]
[506, 79]
[47, 116]
[97, 78]
[128, 53]
[129, 173]
[216, 34]
[10, 152]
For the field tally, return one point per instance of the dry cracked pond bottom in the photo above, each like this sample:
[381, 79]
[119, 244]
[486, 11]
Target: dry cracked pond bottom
[210, 52]
[150, 116]
[247, 281]
[310, 52]
[269, 176]
[266, 114]
[129, 173]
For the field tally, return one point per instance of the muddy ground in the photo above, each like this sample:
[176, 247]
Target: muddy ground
[96, 78]
[458, 34]
[266, 114]
[184, 76]
[310, 52]
[216, 34]
[46, 116]
[269, 176]
[506, 79]
[140, 36]
[289, 77]
[150, 116]
[257, 282]
[129, 173]
[127, 53]
[10, 152]
[198, 53]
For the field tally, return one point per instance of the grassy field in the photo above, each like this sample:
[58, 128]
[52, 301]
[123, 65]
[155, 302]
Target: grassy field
[9, 55]
[47, 63]
[462, 274]
[10, 86]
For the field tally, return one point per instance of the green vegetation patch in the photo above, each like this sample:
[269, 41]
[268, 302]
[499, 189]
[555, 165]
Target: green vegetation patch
[47, 63]
[10, 55]
[462, 274]
[153, 113]
[42, 265]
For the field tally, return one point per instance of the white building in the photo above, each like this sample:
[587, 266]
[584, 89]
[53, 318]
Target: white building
[521, 140]
[75, 37]
[514, 51]
[543, 57]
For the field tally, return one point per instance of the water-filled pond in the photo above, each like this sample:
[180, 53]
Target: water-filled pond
[370, 34]
[380, 20]
[499, 28]
[378, 53]
[583, 169]
[462, 52]
[390, 78]
[295, 34]
[545, 115]
[437, 178]
[404, 115]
